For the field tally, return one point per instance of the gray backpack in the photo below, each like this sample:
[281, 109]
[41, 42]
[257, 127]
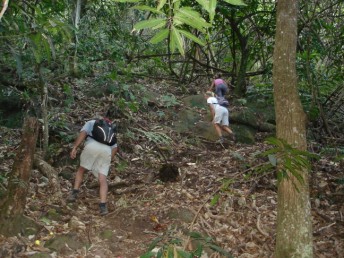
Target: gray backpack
[222, 101]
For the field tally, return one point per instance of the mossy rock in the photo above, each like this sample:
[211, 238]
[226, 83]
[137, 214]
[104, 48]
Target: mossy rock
[19, 224]
[253, 119]
[206, 130]
[244, 134]
[186, 121]
[59, 242]
[151, 97]
[196, 101]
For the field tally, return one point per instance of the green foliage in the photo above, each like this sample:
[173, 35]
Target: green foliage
[175, 21]
[172, 247]
[2, 178]
[331, 150]
[121, 166]
[169, 100]
[156, 137]
[69, 100]
[340, 181]
[214, 200]
[58, 123]
[287, 160]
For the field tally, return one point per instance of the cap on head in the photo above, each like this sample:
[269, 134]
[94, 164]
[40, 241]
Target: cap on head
[209, 94]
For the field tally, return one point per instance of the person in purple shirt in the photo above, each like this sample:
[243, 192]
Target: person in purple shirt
[219, 85]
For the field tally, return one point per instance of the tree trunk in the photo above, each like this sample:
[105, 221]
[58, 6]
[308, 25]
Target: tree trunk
[44, 108]
[294, 221]
[13, 205]
[240, 87]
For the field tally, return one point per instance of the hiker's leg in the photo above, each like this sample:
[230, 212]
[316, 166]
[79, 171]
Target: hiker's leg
[103, 189]
[218, 129]
[227, 129]
[79, 177]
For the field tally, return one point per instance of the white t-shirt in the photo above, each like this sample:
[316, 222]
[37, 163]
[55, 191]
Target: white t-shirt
[88, 126]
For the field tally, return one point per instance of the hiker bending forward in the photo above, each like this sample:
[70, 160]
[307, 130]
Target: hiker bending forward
[219, 116]
[95, 157]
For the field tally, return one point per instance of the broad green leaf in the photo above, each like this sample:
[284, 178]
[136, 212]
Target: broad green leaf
[189, 12]
[204, 4]
[160, 36]
[161, 4]
[146, 8]
[195, 235]
[212, 6]
[46, 46]
[149, 23]
[180, 19]
[235, 2]
[220, 250]
[35, 47]
[161, 25]
[154, 243]
[193, 16]
[192, 37]
[177, 40]
[176, 5]
[184, 254]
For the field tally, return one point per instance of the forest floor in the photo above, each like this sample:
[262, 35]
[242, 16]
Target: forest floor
[230, 211]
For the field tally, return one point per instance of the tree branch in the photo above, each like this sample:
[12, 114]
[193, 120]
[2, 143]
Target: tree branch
[4, 8]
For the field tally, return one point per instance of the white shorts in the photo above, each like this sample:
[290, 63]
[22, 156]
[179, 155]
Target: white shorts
[221, 115]
[96, 157]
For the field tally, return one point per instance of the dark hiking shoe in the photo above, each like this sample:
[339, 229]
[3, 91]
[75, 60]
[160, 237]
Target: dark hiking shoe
[73, 196]
[221, 140]
[103, 209]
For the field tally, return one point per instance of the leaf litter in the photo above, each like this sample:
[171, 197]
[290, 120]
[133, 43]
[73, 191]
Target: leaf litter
[213, 197]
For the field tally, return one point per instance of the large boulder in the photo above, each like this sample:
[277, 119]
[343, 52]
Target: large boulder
[194, 119]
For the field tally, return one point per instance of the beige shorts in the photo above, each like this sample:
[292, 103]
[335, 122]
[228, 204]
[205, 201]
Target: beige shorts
[96, 157]
[221, 116]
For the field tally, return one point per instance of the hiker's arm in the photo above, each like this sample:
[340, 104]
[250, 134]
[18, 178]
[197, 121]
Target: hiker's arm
[212, 85]
[82, 136]
[113, 153]
[212, 111]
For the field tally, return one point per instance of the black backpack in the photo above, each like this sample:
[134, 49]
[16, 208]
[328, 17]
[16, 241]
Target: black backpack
[104, 132]
[222, 101]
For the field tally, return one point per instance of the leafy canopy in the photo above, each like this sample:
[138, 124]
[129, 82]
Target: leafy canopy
[176, 22]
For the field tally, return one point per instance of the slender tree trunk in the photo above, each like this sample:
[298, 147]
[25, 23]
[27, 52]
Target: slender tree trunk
[77, 14]
[240, 87]
[4, 8]
[294, 221]
[44, 108]
[13, 205]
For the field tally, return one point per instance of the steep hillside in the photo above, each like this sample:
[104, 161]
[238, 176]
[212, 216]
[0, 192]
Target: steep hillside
[218, 203]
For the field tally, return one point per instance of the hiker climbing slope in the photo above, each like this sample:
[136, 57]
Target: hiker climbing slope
[219, 86]
[100, 148]
[220, 116]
